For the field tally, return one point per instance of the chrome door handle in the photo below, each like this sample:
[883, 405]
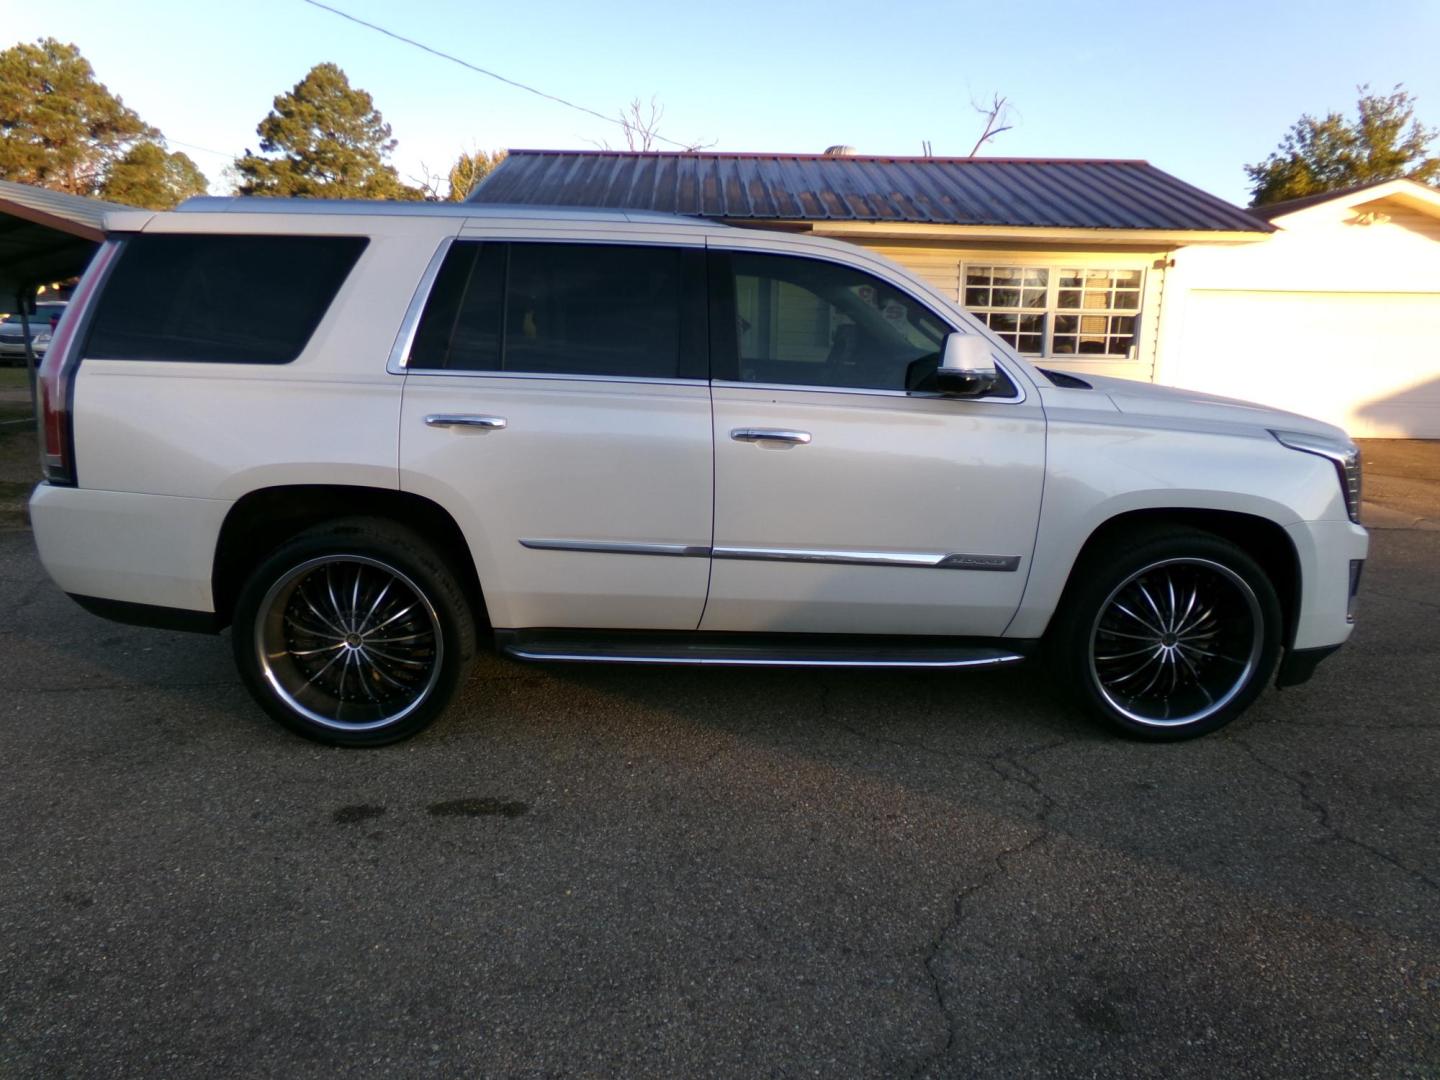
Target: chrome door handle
[491, 423]
[780, 435]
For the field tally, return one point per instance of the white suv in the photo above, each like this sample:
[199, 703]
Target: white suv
[365, 435]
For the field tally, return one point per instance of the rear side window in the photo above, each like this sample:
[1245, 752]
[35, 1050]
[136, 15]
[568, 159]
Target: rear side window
[565, 309]
[223, 299]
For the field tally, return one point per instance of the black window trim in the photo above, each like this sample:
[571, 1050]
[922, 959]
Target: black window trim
[694, 308]
[725, 350]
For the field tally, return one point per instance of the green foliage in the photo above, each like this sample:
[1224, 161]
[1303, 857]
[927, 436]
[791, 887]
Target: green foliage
[326, 140]
[61, 127]
[469, 170]
[152, 177]
[1383, 142]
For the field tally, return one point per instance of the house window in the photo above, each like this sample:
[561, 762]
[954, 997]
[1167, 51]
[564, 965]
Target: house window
[1056, 310]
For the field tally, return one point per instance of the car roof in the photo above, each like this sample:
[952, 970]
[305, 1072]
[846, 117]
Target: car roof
[240, 204]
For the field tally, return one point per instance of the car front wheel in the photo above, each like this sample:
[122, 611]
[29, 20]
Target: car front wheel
[354, 633]
[1172, 638]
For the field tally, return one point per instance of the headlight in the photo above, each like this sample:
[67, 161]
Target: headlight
[1344, 454]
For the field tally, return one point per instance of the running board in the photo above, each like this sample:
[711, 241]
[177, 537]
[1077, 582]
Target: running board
[756, 650]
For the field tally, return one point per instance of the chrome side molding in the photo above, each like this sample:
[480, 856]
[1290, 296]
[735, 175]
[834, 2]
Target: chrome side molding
[921, 559]
[603, 547]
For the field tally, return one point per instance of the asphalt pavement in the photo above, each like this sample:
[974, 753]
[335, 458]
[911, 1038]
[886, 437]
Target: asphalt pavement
[666, 873]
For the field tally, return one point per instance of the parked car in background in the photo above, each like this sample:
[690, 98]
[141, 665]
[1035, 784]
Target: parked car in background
[369, 436]
[42, 327]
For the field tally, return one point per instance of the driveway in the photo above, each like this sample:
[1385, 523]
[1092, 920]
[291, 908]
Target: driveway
[628, 872]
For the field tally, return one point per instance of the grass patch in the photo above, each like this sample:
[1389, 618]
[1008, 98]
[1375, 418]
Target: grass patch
[14, 378]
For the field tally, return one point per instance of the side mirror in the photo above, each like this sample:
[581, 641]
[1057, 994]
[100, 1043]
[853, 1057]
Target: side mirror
[967, 368]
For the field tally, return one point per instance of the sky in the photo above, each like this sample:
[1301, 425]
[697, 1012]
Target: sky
[1198, 89]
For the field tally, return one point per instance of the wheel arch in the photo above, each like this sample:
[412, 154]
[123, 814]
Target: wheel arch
[1262, 539]
[265, 518]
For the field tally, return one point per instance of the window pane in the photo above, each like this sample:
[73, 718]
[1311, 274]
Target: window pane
[1069, 298]
[1030, 343]
[1005, 298]
[806, 322]
[1067, 324]
[977, 297]
[460, 328]
[222, 299]
[580, 309]
[1033, 298]
[977, 275]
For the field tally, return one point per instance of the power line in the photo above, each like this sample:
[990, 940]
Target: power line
[202, 149]
[485, 71]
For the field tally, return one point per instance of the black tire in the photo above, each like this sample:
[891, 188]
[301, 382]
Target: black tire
[334, 595]
[1166, 633]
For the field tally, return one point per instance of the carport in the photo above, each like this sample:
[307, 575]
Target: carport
[45, 236]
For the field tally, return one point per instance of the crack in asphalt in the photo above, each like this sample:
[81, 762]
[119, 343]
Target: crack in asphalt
[1322, 816]
[1009, 765]
[1016, 773]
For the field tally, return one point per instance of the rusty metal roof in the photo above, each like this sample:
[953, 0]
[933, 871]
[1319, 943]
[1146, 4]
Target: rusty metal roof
[1017, 192]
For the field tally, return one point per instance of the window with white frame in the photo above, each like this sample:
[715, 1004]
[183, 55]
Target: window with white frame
[1057, 310]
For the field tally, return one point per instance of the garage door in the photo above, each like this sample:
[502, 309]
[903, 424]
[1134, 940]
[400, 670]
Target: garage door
[1369, 362]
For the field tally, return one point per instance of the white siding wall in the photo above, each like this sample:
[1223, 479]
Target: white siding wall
[1328, 317]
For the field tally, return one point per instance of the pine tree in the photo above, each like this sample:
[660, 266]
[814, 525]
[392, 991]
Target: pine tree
[324, 139]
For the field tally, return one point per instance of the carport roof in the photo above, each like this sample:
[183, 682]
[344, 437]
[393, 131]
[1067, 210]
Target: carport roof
[1028, 193]
[46, 235]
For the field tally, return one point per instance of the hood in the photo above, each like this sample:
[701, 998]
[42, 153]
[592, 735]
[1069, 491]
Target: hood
[1140, 399]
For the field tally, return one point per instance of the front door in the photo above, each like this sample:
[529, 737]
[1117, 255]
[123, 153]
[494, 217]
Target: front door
[556, 403]
[844, 504]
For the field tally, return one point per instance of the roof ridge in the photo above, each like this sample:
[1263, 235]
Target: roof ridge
[796, 156]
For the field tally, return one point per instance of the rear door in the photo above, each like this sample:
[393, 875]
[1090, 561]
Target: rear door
[556, 402]
[843, 502]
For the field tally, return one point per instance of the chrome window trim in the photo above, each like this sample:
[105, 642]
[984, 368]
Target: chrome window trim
[923, 560]
[551, 377]
[405, 339]
[853, 391]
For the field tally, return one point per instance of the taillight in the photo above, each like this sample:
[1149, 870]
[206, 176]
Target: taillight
[57, 374]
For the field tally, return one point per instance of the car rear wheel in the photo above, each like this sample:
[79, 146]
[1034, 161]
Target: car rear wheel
[354, 633]
[1172, 638]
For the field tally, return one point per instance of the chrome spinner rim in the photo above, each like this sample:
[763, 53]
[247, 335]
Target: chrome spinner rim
[349, 642]
[1176, 641]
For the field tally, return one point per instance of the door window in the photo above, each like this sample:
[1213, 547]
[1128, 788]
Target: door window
[565, 309]
[799, 321]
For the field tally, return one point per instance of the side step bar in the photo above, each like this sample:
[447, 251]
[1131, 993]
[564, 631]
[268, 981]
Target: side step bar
[757, 650]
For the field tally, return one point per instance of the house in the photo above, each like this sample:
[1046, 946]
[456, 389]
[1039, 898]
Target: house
[1336, 314]
[1094, 266]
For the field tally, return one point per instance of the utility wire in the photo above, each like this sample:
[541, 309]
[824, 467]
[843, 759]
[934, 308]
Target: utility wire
[485, 71]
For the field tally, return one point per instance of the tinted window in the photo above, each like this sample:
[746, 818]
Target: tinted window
[564, 309]
[461, 325]
[805, 322]
[226, 299]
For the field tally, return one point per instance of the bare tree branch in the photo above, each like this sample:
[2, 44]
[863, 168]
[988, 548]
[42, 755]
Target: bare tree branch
[640, 123]
[996, 114]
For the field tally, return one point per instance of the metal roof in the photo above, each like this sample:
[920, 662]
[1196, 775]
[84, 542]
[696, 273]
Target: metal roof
[1016, 192]
[46, 235]
[1270, 211]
